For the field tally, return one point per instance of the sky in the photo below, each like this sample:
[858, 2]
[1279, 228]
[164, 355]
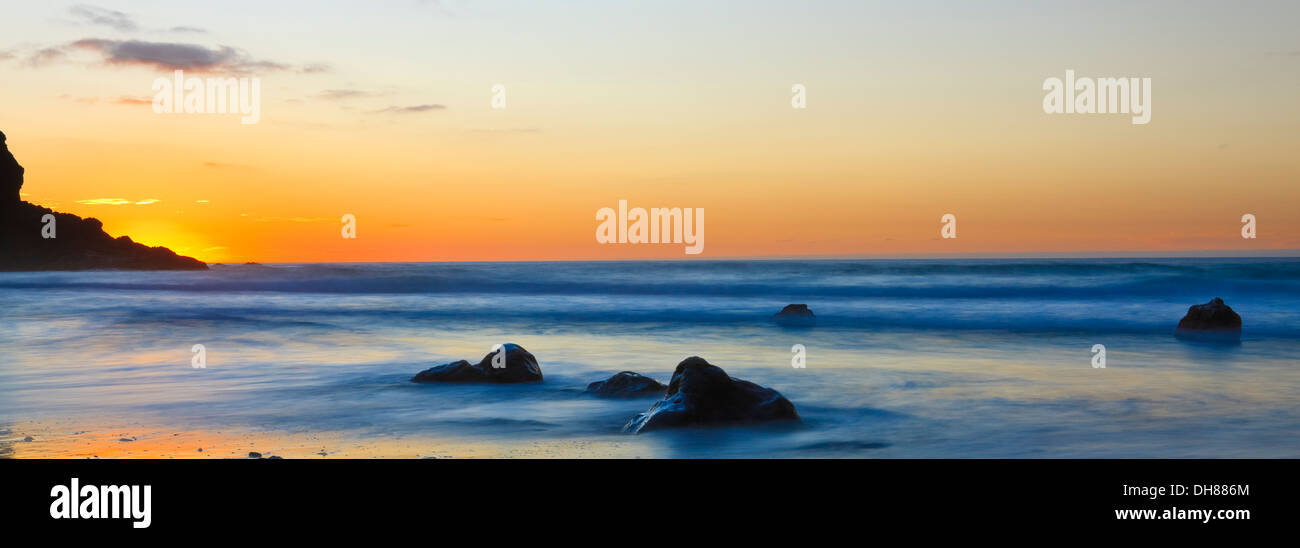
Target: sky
[914, 110]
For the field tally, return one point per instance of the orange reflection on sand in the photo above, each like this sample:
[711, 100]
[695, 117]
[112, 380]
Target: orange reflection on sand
[61, 441]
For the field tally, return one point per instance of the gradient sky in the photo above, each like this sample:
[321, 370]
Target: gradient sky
[915, 109]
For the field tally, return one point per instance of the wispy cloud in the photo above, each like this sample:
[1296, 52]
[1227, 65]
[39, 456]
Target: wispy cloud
[503, 131]
[117, 201]
[122, 100]
[410, 109]
[45, 56]
[341, 94]
[87, 100]
[87, 14]
[95, 15]
[297, 219]
[438, 6]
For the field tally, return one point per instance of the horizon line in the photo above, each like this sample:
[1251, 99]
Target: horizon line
[1205, 254]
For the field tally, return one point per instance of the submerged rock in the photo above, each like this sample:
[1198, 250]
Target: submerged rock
[1212, 321]
[702, 394]
[518, 366]
[626, 384]
[795, 315]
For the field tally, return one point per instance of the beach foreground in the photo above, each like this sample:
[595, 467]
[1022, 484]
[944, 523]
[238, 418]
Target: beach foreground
[950, 358]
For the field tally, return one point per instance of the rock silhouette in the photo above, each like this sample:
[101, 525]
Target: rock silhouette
[626, 384]
[11, 174]
[702, 394]
[519, 366]
[77, 244]
[1213, 321]
[795, 315]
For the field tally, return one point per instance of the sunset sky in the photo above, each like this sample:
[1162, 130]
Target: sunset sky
[914, 109]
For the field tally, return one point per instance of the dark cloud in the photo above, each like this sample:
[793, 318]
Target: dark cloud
[103, 17]
[176, 56]
[411, 109]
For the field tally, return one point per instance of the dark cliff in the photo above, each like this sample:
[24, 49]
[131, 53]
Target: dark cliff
[28, 241]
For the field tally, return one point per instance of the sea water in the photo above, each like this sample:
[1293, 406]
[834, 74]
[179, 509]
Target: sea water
[909, 358]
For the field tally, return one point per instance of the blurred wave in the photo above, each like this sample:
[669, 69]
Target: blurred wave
[1141, 296]
[878, 278]
[915, 358]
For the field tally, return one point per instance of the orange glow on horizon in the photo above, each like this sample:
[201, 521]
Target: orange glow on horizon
[891, 139]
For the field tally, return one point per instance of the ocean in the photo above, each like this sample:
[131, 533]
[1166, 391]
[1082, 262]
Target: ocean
[909, 358]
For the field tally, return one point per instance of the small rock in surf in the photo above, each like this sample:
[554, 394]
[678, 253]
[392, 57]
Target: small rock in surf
[626, 384]
[517, 366]
[1212, 321]
[795, 315]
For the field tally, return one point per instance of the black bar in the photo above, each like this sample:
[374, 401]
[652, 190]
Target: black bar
[374, 495]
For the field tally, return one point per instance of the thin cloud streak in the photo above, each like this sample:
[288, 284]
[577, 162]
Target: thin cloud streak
[410, 109]
[94, 15]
